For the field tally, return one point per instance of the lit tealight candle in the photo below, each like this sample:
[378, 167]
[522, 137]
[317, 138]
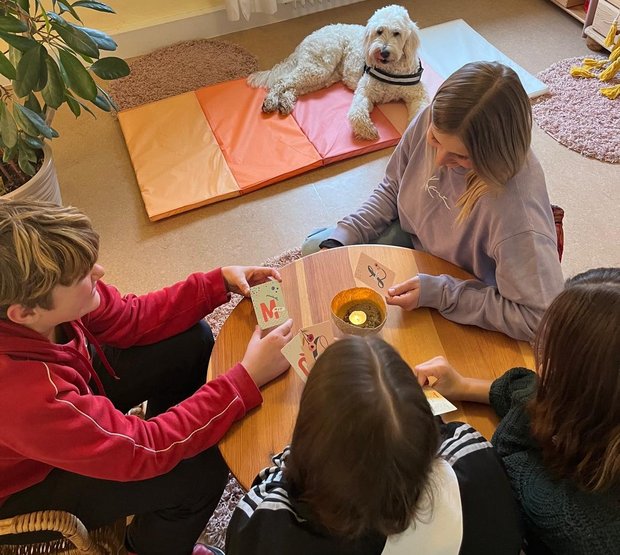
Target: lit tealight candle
[357, 317]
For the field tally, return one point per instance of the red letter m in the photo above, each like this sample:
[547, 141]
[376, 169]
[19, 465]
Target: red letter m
[268, 312]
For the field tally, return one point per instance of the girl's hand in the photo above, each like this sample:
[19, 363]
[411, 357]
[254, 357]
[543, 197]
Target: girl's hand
[450, 383]
[239, 279]
[405, 294]
[263, 359]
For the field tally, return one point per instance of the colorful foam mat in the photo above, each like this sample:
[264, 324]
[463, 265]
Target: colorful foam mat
[215, 143]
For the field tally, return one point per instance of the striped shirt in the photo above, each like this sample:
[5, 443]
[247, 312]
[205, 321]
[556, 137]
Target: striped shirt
[269, 520]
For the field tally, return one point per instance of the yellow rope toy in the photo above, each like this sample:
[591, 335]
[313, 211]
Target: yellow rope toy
[605, 70]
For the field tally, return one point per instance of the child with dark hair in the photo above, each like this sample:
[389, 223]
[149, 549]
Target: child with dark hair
[76, 355]
[559, 436]
[370, 471]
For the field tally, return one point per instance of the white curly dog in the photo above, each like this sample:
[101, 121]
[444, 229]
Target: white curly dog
[378, 62]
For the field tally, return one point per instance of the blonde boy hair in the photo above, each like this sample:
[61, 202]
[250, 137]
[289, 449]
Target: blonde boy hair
[485, 105]
[42, 245]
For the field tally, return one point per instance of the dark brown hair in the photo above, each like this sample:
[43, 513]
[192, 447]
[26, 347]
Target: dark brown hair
[364, 441]
[576, 412]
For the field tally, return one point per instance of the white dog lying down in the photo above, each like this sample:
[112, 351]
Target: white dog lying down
[379, 62]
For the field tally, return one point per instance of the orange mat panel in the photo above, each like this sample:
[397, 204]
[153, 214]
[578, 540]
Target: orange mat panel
[322, 115]
[216, 143]
[177, 161]
[260, 149]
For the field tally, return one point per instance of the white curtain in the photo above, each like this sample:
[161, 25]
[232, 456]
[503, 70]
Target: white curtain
[236, 8]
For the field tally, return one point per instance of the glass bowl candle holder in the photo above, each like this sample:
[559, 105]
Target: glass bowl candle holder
[358, 311]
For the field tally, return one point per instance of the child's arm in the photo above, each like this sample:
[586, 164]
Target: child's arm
[127, 320]
[381, 209]
[450, 383]
[528, 277]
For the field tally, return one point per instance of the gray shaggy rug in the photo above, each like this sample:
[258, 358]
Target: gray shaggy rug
[215, 531]
[180, 68]
[576, 115]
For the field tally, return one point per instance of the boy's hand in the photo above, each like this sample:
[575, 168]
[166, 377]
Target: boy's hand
[239, 279]
[450, 383]
[263, 359]
[405, 294]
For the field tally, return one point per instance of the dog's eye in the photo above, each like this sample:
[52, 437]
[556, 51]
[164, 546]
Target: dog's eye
[396, 33]
[379, 31]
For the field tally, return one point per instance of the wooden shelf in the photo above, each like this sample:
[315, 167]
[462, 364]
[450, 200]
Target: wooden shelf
[576, 11]
[595, 35]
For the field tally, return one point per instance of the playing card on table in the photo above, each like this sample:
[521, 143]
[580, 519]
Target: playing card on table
[439, 404]
[315, 340]
[303, 350]
[374, 274]
[268, 301]
[294, 352]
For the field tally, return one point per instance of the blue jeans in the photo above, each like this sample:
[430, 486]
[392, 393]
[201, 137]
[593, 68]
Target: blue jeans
[393, 235]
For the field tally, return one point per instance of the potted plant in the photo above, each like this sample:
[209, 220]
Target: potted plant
[48, 58]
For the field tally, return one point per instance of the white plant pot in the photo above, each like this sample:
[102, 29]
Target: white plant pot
[43, 185]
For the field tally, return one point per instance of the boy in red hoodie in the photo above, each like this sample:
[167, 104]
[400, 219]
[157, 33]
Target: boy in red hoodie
[75, 356]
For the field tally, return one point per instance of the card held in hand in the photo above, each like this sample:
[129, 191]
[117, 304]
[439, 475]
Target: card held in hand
[315, 339]
[298, 357]
[303, 350]
[269, 307]
[439, 404]
[374, 274]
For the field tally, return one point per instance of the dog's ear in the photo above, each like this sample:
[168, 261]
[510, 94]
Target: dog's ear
[369, 35]
[413, 41]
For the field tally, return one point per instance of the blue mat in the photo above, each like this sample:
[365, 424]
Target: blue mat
[448, 46]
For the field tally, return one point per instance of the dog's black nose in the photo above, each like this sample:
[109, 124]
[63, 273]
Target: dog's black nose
[385, 53]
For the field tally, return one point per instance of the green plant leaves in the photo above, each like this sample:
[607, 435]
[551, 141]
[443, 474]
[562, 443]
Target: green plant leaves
[33, 142]
[66, 7]
[101, 39]
[19, 42]
[74, 105]
[32, 123]
[50, 61]
[77, 77]
[6, 67]
[12, 24]
[110, 68]
[26, 157]
[8, 129]
[54, 91]
[31, 71]
[98, 6]
[75, 38]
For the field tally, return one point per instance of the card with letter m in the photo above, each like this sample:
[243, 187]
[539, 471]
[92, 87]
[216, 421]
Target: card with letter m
[269, 307]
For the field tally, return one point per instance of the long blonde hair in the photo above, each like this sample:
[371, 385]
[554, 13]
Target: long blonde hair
[42, 245]
[487, 108]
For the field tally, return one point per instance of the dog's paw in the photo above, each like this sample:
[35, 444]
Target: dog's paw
[287, 102]
[270, 104]
[367, 131]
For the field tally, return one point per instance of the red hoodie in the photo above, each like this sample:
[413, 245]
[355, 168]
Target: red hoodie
[50, 418]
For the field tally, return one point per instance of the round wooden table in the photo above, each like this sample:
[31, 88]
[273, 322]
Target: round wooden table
[309, 285]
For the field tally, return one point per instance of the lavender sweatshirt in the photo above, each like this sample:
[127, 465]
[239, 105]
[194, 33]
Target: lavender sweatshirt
[508, 241]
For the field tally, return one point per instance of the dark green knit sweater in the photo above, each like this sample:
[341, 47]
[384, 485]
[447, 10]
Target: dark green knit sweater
[566, 520]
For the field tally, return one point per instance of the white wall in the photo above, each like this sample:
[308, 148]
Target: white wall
[149, 24]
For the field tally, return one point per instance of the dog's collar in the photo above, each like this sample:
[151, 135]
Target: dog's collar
[395, 79]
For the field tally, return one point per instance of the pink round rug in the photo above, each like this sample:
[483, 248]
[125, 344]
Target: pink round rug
[576, 115]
